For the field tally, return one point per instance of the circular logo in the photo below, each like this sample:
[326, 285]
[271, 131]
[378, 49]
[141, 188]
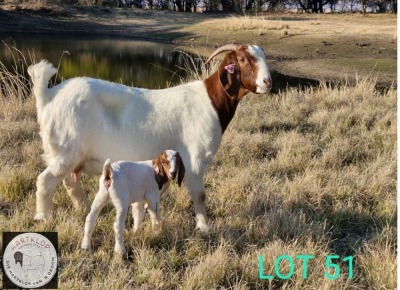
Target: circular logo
[30, 260]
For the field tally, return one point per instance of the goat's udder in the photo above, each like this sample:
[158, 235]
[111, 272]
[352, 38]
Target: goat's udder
[75, 172]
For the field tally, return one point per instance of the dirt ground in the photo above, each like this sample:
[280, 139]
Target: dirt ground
[324, 46]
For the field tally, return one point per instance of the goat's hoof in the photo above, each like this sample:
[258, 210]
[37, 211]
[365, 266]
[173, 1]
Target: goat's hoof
[119, 256]
[120, 252]
[204, 228]
[85, 248]
[41, 216]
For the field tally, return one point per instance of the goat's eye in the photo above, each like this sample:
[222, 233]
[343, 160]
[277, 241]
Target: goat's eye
[242, 60]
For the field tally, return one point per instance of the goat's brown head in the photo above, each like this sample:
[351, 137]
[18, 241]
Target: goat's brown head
[243, 69]
[167, 166]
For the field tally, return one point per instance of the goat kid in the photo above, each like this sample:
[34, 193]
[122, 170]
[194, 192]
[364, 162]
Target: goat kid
[84, 121]
[124, 183]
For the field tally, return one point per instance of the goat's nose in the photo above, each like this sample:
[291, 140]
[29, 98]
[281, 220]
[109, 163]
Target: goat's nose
[268, 83]
[173, 174]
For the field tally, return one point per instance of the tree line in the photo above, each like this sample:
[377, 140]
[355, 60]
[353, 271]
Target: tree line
[240, 6]
[246, 6]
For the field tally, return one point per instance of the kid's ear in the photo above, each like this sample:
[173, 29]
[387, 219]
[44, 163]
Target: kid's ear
[157, 173]
[159, 180]
[181, 172]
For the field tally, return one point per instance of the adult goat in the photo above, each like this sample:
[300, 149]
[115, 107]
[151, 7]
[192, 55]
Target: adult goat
[83, 121]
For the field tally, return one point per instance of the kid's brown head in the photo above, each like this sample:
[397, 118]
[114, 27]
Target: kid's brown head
[167, 166]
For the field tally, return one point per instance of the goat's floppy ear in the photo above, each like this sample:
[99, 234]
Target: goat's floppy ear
[157, 175]
[159, 180]
[230, 75]
[181, 172]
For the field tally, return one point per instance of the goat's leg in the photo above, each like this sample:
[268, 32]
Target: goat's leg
[196, 189]
[101, 200]
[153, 204]
[46, 184]
[137, 214]
[121, 205]
[75, 192]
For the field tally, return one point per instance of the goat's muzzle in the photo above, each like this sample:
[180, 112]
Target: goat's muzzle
[268, 84]
[173, 175]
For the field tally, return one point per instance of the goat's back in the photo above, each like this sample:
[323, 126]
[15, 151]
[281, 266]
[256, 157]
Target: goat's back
[97, 119]
[131, 180]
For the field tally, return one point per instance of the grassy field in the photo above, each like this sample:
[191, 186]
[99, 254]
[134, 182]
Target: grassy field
[302, 172]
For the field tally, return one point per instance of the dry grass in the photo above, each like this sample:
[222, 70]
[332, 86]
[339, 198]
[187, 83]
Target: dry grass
[239, 23]
[301, 172]
[14, 86]
[310, 25]
[310, 45]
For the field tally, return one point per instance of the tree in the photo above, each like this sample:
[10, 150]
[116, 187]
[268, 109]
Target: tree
[162, 4]
[394, 6]
[228, 6]
[314, 6]
[212, 5]
[364, 6]
[150, 3]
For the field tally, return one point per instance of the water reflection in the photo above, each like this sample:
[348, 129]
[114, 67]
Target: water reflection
[136, 63]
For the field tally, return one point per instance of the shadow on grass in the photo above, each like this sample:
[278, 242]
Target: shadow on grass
[347, 229]
[162, 28]
[281, 82]
[302, 127]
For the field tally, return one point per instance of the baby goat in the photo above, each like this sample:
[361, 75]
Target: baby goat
[133, 183]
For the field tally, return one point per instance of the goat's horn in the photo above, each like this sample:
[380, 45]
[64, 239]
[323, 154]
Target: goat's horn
[228, 47]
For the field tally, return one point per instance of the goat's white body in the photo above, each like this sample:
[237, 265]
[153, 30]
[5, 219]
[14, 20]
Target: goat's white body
[89, 120]
[83, 121]
[132, 183]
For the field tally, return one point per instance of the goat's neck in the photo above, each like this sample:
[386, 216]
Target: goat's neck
[224, 102]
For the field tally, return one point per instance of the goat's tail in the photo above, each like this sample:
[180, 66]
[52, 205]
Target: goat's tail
[40, 74]
[107, 173]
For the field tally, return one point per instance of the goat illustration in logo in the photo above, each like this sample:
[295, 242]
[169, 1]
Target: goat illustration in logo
[30, 262]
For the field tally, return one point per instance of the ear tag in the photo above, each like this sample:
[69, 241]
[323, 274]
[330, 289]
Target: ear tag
[156, 169]
[231, 68]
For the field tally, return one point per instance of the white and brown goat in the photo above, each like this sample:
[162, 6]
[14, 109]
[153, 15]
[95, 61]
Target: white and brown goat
[83, 121]
[124, 183]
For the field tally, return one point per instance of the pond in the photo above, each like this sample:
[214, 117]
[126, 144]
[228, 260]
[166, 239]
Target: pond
[135, 63]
